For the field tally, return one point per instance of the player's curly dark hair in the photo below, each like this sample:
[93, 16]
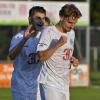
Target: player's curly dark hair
[70, 10]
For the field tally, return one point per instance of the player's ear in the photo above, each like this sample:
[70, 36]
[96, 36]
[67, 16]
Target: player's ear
[61, 18]
[29, 19]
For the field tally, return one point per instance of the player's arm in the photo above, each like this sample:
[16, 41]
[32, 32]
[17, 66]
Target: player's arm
[15, 51]
[46, 54]
[74, 61]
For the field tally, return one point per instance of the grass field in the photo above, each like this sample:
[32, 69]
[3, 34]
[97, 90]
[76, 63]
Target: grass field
[76, 94]
[85, 94]
[90, 93]
[5, 94]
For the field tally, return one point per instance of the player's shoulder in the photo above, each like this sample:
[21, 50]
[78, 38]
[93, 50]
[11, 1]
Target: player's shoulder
[19, 34]
[48, 28]
[72, 32]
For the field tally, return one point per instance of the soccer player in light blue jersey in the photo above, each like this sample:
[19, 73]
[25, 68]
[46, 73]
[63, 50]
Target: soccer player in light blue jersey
[24, 82]
[55, 49]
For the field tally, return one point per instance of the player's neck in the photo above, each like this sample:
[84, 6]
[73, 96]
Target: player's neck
[60, 28]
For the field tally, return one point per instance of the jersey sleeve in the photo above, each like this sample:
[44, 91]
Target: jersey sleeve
[45, 40]
[73, 36]
[73, 39]
[15, 40]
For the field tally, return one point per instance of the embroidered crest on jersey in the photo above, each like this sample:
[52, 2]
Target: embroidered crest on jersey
[71, 41]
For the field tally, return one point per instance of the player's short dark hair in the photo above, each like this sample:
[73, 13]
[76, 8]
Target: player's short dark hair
[35, 9]
[70, 10]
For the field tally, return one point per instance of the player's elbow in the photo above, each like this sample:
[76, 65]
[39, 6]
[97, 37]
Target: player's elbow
[11, 56]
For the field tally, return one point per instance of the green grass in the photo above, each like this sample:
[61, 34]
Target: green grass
[95, 78]
[5, 94]
[90, 93]
[85, 93]
[76, 94]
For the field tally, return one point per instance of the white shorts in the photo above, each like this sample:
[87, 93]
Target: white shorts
[52, 93]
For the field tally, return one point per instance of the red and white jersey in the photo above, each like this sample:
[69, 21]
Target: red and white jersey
[55, 70]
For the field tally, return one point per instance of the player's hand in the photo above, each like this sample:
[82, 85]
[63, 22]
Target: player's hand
[74, 62]
[62, 40]
[29, 32]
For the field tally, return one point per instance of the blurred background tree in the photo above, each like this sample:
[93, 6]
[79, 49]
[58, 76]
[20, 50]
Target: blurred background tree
[95, 12]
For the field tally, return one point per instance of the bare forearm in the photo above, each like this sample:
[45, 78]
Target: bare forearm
[15, 51]
[44, 55]
[27, 34]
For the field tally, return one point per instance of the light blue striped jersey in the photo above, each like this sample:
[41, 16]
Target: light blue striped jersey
[24, 77]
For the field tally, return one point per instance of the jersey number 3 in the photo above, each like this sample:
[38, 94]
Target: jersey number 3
[67, 54]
